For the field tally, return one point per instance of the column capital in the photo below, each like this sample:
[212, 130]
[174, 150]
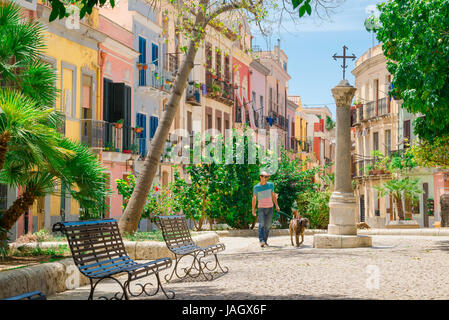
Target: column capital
[343, 93]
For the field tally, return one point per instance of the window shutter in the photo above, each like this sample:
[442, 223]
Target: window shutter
[155, 54]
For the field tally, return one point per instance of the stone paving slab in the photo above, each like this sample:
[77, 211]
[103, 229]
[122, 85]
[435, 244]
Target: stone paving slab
[409, 267]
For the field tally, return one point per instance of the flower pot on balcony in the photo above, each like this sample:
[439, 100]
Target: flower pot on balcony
[138, 129]
[145, 67]
[140, 66]
[118, 125]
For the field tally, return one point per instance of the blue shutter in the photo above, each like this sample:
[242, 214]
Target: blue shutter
[154, 121]
[141, 121]
[155, 54]
[143, 60]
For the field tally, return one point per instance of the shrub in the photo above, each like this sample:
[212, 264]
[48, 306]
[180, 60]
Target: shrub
[315, 207]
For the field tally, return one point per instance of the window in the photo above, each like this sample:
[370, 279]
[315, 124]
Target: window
[142, 60]
[154, 122]
[226, 75]
[141, 122]
[218, 124]
[218, 62]
[209, 121]
[376, 141]
[155, 54]
[387, 142]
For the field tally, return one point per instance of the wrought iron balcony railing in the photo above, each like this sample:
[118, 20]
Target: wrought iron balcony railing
[193, 95]
[112, 137]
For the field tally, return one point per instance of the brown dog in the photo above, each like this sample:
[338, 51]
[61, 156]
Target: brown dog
[297, 227]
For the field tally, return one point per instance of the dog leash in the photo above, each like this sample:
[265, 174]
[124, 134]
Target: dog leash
[284, 214]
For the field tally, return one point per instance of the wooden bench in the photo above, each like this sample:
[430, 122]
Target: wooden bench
[179, 241]
[99, 253]
[34, 295]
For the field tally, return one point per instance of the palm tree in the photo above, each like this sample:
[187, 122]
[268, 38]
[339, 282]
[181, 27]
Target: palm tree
[20, 50]
[399, 189]
[24, 124]
[77, 168]
[33, 156]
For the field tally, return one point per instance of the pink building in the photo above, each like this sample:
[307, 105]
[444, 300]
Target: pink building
[120, 144]
[258, 79]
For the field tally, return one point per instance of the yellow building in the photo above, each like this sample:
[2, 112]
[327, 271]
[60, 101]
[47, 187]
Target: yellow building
[300, 129]
[73, 53]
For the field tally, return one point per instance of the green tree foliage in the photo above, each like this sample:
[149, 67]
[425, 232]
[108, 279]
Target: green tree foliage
[222, 191]
[291, 179]
[314, 205]
[330, 124]
[415, 38]
[432, 154]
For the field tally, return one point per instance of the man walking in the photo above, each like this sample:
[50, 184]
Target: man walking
[263, 193]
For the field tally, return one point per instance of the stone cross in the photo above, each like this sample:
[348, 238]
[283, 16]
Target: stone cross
[344, 57]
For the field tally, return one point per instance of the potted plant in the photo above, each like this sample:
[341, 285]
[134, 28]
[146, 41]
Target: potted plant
[369, 169]
[357, 103]
[126, 151]
[139, 66]
[134, 148]
[145, 67]
[108, 146]
[138, 129]
[119, 124]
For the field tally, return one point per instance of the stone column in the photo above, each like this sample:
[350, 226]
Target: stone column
[342, 229]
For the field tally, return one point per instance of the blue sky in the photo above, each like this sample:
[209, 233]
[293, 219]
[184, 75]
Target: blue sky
[310, 44]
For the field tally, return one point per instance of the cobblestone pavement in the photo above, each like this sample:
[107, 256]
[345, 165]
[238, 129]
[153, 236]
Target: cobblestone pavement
[409, 268]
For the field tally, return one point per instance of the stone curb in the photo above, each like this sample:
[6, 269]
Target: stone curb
[62, 275]
[255, 232]
[444, 232]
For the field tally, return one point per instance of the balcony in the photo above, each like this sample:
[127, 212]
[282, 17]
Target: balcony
[162, 80]
[365, 169]
[92, 133]
[369, 111]
[382, 107]
[193, 95]
[110, 137]
[219, 89]
[279, 120]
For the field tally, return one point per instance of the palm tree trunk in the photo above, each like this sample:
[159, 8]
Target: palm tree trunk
[131, 217]
[16, 210]
[399, 208]
[4, 140]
